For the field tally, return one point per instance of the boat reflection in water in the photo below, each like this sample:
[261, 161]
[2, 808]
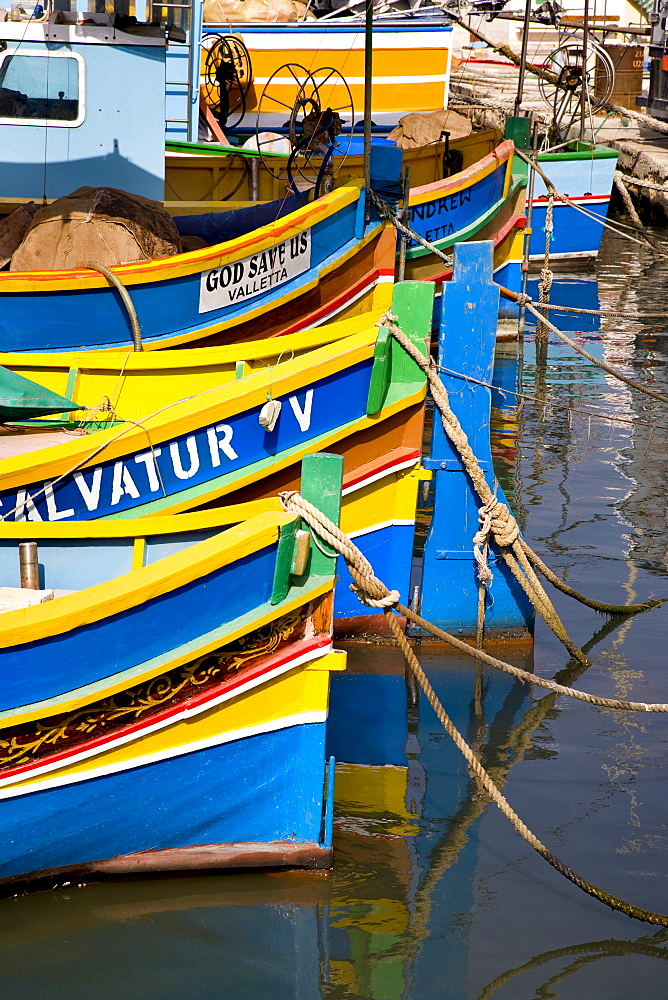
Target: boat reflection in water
[409, 817]
[238, 935]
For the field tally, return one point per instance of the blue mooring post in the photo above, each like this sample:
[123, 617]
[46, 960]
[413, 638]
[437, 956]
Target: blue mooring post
[467, 338]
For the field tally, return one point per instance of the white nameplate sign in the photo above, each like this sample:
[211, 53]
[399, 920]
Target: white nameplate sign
[255, 275]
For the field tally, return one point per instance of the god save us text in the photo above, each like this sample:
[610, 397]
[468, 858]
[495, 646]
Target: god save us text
[251, 276]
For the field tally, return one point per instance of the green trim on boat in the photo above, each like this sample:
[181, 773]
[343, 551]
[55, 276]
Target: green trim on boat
[216, 149]
[597, 153]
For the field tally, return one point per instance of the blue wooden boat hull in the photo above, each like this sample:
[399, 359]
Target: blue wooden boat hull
[218, 292]
[173, 716]
[587, 179]
[263, 790]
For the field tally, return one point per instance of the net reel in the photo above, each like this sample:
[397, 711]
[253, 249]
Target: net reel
[595, 75]
[228, 75]
[322, 108]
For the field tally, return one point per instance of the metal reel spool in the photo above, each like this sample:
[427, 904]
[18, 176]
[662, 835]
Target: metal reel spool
[565, 96]
[315, 121]
[228, 75]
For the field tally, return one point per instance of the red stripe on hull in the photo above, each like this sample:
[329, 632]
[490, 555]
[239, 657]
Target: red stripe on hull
[282, 658]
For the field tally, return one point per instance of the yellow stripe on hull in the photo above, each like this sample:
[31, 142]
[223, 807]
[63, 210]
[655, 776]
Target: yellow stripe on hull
[138, 383]
[392, 498]
[298, 695]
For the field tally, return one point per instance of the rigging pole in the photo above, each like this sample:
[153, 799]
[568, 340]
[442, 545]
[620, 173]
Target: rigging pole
[523, 56]
[584, 84]
[368, 82]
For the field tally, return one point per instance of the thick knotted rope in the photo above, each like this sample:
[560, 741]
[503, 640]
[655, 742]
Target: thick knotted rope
[626, 198]
[519, 557]
[481, 541]
[374, 589]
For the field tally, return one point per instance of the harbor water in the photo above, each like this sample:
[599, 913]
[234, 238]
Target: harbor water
[433, 894]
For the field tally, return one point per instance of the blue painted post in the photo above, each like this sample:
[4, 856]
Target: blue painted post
[466, 345]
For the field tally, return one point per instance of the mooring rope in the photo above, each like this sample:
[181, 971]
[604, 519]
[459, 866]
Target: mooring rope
[524, 300]
[642, 182]
[613, 313]
[114, 280]
[553, 404]
[374, 593]
[646, 240]
[618, 181]
[505, 529]
[387, 211]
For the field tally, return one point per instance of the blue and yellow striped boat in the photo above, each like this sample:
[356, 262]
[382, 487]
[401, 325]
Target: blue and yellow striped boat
[167, 431]
[164, 706]
[266, 273]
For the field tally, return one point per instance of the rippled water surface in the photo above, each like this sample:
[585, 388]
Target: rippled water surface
[433, 894]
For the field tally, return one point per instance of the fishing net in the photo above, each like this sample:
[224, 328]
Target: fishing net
[416, 130]
[13, 230]
[96, 224]
[227, 11]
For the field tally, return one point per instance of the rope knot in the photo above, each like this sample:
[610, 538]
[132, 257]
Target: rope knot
[504, 526]
[481, 541]
[388, 320]
[387, 601]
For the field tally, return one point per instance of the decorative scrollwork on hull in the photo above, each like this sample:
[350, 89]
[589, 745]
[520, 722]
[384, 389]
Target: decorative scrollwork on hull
[37, 740]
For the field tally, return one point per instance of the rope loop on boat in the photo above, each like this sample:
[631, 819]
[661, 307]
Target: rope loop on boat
[387, 211]
[114, 280]
[373, 591]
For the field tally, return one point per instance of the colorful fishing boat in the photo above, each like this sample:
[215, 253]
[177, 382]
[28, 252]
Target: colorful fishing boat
[172, 431]
[165, 694]
[484, 202]
[423, 49]
[276, 267]
[276, 272]
[210, 171]
[585, 174]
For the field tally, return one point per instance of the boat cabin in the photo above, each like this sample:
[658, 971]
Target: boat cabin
[82, 102]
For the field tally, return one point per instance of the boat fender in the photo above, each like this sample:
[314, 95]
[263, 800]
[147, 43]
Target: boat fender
[269, 414]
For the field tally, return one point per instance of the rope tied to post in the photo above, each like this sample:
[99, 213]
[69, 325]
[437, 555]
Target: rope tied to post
[520, 558]
[369, 589]
[368, 585]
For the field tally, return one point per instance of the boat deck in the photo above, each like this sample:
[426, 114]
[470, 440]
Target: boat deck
[16, 441]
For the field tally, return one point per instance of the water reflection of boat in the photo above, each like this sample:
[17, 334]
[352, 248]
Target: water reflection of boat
[408, 818]
[260, 936]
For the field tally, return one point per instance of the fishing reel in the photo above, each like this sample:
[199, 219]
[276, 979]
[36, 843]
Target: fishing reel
[321, 107]
[579, 79]
[228, 75]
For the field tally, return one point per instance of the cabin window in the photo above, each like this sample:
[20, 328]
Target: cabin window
[41, 90]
